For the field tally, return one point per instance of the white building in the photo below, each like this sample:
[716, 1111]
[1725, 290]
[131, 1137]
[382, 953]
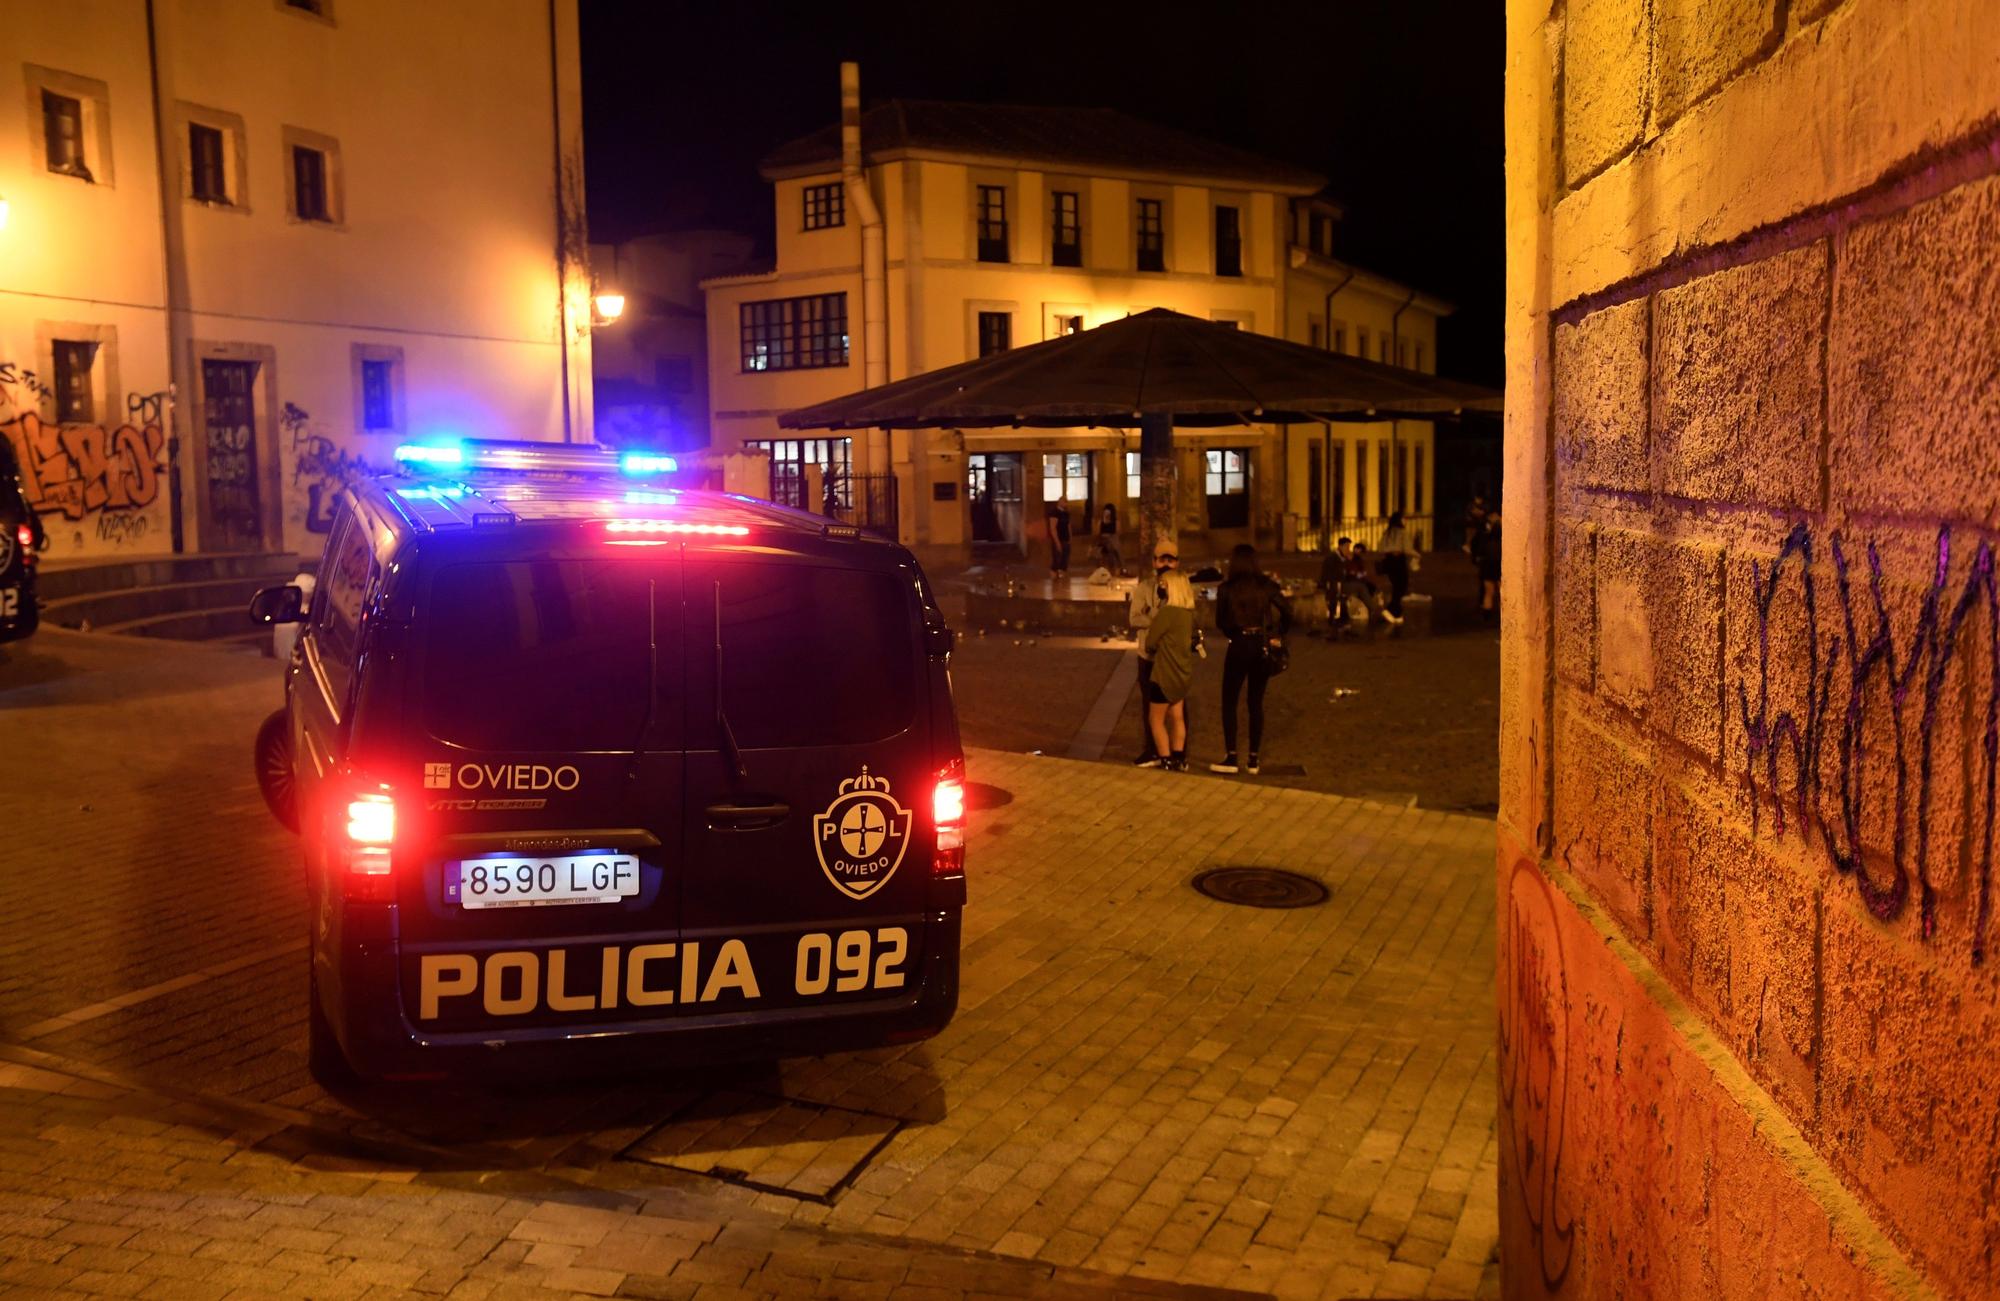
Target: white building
[1006, 225]
[250, 245]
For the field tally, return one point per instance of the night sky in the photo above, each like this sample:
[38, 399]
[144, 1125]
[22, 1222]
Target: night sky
[1397, 102]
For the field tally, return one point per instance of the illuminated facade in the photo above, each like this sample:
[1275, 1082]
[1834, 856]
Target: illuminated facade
[246, 257]
[1006, 226]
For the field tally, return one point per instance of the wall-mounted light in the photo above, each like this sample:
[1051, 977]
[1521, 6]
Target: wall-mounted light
[607, 306]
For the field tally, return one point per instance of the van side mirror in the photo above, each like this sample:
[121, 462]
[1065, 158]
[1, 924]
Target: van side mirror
[285, 604]
[938, 640]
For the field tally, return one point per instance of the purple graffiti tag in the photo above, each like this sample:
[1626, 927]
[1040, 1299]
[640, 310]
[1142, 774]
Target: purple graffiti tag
[1933, 645]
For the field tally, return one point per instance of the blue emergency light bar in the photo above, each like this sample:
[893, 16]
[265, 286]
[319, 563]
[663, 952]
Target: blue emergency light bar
[548, 458]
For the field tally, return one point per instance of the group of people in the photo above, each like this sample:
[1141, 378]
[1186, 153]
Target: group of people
[1348, 572]
[1056, 520]
[1253, 617]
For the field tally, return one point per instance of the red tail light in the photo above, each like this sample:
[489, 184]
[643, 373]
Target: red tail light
[948, 811]
[25, 536]
[370, 835]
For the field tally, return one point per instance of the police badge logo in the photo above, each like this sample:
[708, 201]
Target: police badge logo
[861, 837]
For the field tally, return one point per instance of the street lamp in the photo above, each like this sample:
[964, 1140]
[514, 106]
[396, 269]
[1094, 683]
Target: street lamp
[608, 305]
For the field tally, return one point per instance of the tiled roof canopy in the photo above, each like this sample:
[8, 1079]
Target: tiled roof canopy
[1084, 139]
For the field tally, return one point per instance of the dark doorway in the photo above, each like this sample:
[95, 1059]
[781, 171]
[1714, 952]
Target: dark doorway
[235, 519]
[1315, 483]
[993, 485]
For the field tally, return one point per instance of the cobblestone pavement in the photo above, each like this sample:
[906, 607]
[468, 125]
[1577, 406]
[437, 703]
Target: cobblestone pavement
[1146, 1092]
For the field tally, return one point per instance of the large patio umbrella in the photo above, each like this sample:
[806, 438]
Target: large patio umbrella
[1155, 370]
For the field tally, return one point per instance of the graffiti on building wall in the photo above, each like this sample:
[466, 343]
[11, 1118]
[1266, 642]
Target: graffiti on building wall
[1534, 1067]
[1899, 684]
[84, 471]
[320, 468]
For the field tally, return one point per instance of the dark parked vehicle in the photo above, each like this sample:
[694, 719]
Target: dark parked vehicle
[21, 540]
[589, 771]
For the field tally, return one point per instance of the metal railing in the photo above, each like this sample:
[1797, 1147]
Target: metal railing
[864, 500]
[1366, 530]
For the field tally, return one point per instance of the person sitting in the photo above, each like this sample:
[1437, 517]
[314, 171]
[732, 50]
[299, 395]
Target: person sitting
[1344, 573]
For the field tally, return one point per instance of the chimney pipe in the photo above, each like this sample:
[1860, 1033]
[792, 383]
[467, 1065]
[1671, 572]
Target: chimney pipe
[874, 257]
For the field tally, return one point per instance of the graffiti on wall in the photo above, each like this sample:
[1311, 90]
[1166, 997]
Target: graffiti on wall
[1886, 681]
[1534, 1067]
[86, 472]
[320, 468]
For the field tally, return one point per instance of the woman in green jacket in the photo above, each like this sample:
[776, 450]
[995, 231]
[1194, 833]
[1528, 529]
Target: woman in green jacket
[1170, 646]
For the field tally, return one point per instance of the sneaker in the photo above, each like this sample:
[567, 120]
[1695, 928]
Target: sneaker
[1228, 764]
[1179, 761]
[1148, 761]
[1250, 767]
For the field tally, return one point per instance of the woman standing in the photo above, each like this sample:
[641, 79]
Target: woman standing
[1251, 610]
[1170, 646]
[1397, 555]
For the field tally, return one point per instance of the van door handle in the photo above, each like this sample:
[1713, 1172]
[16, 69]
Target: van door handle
[747, 817]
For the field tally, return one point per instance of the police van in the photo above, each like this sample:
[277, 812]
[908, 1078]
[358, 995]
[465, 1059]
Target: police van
[590, 771]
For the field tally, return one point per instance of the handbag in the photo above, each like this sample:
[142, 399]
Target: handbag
[1276, 658]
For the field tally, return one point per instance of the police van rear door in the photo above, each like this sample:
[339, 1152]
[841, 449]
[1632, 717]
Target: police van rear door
[810, 777]
[546, 693]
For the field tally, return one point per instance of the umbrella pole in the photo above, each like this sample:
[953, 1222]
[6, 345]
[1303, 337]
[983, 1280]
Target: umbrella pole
[1157, 484]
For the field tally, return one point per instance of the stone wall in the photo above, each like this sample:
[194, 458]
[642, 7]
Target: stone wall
[1749, 1012]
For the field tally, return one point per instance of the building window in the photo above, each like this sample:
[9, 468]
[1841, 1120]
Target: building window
[1227, 487]
[62, 133]
[1361, 480]
[1066, 245]
[1322, 233]
[1068, 324]
[1229, 322]
[1417, 482]
[74, 400]
[1337, 466]
[1312, 334]
[992, 223]
[1228, 242]
[1419, 356]
[1382, 506]
[1387, 353]
[791, 456]
[795, 333]
[378, 388]
[1066, 477]
[996, 332]
[1361, 342]
[205, 164]
[1152, 237]
[1132, 479]
[826, 205]
[309, 184]
[378, 402]
[1338, 343]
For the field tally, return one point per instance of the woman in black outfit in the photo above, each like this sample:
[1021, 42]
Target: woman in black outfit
[1252, 613]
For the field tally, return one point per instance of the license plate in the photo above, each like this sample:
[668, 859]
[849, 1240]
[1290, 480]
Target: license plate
[509, 881]
[10, 602]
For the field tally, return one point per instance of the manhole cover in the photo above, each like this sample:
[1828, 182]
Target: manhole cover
[775, 1145]
[1260, 887]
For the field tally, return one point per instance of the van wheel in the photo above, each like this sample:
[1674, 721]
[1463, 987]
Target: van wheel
[324, 1058]
[273, 751]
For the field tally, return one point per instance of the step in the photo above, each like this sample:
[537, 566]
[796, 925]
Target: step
[59, 579]
[211, 624]
[122, 605]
